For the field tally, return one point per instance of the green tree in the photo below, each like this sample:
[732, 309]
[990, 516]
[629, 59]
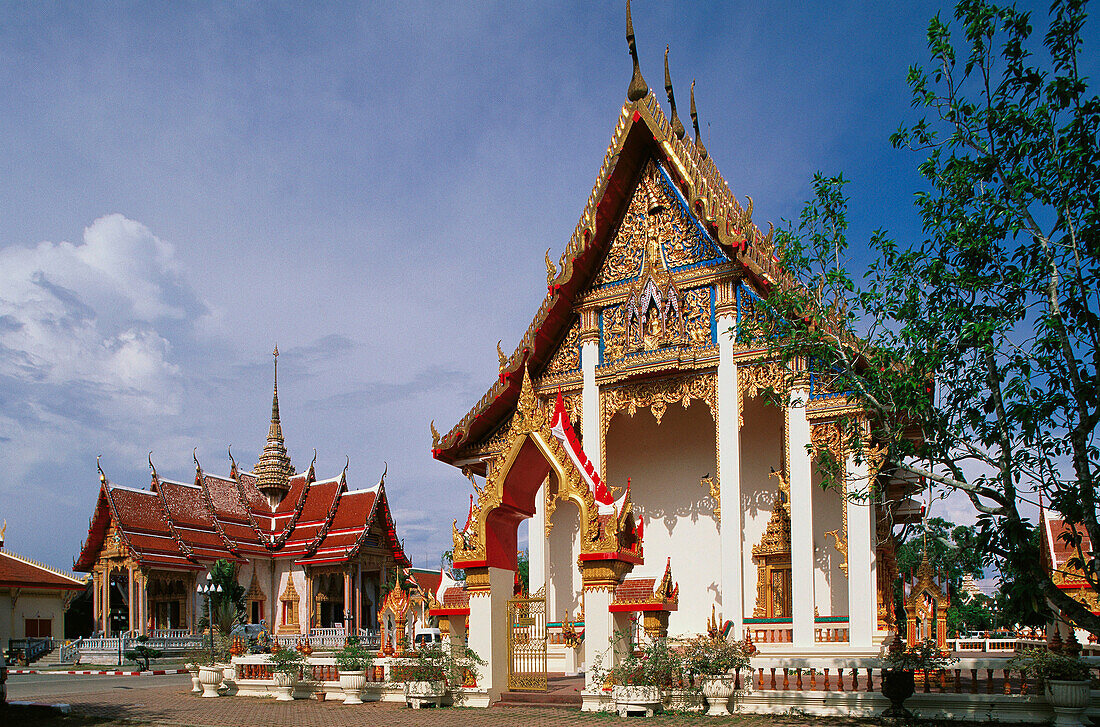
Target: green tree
[952, 550]
[975, 352]
[228, 605]
[523, 566]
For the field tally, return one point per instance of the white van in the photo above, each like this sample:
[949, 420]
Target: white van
[426, 636]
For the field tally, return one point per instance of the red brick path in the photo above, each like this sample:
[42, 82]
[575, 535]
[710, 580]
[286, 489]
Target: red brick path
[167, 705]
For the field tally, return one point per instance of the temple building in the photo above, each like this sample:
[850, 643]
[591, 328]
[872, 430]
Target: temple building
[1062, 560]
[33, 597]
[670, 447]
[312, 553]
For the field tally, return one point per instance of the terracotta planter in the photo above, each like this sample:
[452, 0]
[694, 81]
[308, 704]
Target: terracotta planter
[1069, 700]
[636, 698]
[897, 686]
[284, 686]
[210, 677]
[353, 682]
[423, 694]
[321, 695]
[717, 688]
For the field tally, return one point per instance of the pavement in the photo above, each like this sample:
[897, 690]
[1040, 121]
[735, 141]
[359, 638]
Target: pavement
[166, 700]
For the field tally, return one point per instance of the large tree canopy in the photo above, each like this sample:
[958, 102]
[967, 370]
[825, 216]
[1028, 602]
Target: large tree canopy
[975, 352]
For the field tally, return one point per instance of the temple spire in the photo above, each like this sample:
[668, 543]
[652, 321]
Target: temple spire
[638, 88]
[273, 469]
[677, 125]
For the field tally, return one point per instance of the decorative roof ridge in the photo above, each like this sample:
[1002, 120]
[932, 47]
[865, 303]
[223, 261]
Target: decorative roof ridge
[200, 482]
[311, 475]
[100, 498]
[262, 536]
[120, 531]
[42, 566]
[327, 523]
[381, 501]
[379, 494]
[138, 490]
[710, 200]
[164, 481]
[184, 547]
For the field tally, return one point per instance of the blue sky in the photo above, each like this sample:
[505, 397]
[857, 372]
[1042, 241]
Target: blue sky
[184, 185]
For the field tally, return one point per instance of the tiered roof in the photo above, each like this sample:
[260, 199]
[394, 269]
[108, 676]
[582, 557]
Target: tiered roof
[271, 512]
[187, 526]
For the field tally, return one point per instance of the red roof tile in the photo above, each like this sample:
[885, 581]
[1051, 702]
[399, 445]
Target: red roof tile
[19, 572]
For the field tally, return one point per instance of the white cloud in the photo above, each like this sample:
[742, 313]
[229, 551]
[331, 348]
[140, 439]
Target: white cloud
[85, 352]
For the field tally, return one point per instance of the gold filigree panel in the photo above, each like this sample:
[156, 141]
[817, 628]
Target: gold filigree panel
[756, 378]
[567, 357]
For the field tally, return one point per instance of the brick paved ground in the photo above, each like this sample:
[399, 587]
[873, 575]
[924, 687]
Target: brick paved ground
[166, 705]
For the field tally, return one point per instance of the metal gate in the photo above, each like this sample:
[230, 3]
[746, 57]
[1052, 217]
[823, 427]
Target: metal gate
[527, 644]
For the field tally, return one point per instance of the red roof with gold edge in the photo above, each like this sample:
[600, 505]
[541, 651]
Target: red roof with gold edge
[1057, 552]
[642, 132]
[19, 572]
[184, 526]
[647, 594]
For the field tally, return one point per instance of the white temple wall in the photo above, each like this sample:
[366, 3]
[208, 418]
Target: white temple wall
[830, 584]
[563, 591]
[665, 463]
[761, 452]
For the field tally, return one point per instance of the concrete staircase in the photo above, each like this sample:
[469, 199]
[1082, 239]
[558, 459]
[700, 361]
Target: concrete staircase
[562, 693]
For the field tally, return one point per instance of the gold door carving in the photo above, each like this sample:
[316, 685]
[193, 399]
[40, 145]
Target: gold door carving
[773, 559]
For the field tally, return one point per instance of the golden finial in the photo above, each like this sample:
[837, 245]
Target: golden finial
[195, 456]
[677, 125]
[695, 124]
[385, 469]
[435, 435]
[232, 463]
[501, 358]
[551, 271]
[151, 466]
[638, 88]
[102, 477]
[3, 530]
[273, 468]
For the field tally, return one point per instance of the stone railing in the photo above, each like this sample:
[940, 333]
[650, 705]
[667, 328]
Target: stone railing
[169, 633]
[251, 676]
[328, 639]
[100, 650]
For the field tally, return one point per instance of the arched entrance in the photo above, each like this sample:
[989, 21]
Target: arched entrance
[534, 453]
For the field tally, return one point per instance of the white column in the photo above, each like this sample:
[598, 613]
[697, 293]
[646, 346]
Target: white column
[536, 543]
[729, 472]
[599, 627]
[802, 523]
[862, 605]
[488, 637]
[590, 404]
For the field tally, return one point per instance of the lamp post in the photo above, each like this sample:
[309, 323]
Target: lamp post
[209, 589]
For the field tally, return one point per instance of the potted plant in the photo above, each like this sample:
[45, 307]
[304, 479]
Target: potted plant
[193, 668]
[211, 666]
[637, 680]
[1065, 681]
[353, 661]
[425, 676]
[716, 662]
[286, 667]
[898, 667]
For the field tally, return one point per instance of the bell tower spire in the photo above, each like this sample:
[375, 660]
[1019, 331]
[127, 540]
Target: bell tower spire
[273, 469]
